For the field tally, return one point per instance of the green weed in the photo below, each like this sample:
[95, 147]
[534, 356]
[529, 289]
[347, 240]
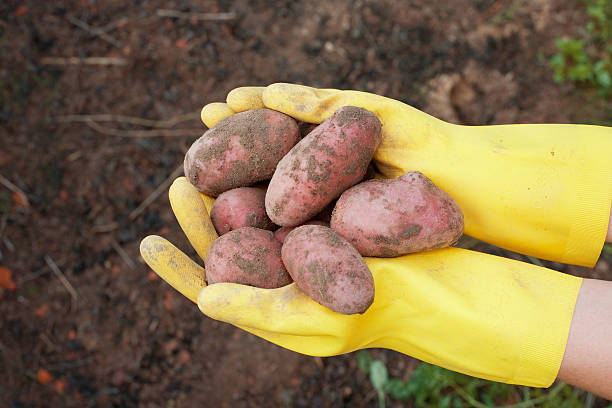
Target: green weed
[586, 59]
[432, 386]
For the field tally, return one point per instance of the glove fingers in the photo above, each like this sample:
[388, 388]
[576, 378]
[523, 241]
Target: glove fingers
[245, 98]
[316, 105]
[214, 112]
[303, 102]
[282, 311]
[192, 215]
[173, 266]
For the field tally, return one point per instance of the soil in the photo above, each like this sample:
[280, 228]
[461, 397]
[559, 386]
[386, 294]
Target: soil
[127, 338]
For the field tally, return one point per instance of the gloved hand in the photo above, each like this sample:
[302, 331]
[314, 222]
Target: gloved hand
[541, 190]
[478, 314]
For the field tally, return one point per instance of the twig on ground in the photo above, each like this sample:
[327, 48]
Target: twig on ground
[48, 341]
[132, 120]
[156, 193]
[83, 61]
[93, 31]
[491, 11]
[120, 22]
[105, 228]
[70, 364]
[6, 183]
[42, 271]
[124, 255]
[8, 244]
[143, 133]
[62, 278]
[197, 16]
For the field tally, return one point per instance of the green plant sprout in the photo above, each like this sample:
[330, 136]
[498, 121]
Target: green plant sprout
[587, 59]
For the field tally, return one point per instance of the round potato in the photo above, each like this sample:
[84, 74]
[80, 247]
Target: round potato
[404, 215]
[328, 269]
[240, 150]
[240, 207]
[249, 256]
[333, 157]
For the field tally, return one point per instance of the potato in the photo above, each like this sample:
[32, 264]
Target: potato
[404, 215]
[332, 158]
[240, 207]
[328, 269]
[249, 256]
[240, 150]
[281, 233]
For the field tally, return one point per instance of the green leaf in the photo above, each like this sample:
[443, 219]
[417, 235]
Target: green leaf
[557, 60]
[364, 360]
[399, 389]
[378, 375]
[604, 79]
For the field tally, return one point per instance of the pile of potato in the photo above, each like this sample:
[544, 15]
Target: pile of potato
[292, 228]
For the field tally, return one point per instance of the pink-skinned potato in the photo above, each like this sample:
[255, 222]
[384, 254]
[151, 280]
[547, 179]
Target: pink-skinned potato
[328, 269]
[240, 150]
[331, 158]
[240, 207]
[281, 233]
[405, 215]
[248, 256]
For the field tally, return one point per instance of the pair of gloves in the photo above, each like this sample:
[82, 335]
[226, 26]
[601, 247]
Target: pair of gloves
[541, 190]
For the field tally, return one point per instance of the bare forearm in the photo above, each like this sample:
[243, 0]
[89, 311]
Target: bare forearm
[587, 362]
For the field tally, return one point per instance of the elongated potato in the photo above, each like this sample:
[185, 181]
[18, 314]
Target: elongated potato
[249, 256]
[333, 157]
[240, 207]
[404, 215]
[328, 269]
[240, 150]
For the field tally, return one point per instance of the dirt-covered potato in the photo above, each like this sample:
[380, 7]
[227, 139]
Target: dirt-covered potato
[240, 150]
[249, 256]
[333, 157]
[281, 233]
[240, 207]
[404, 215]
[328, 269]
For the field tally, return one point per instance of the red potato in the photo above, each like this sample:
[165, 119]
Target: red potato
[248, 256]
[240, 150]
[240, 207]
[404, 215]
[333, 157]
[328, 269]
[281, 233]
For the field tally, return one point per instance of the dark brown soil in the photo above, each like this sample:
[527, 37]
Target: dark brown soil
[129, 339]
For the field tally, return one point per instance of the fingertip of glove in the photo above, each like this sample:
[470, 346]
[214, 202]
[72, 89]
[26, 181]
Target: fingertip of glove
[245, 98]
[146, 246]
[214, 112]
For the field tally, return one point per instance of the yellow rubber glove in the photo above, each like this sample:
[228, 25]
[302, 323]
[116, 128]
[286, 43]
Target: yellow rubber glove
[543, 190]
[478, 314]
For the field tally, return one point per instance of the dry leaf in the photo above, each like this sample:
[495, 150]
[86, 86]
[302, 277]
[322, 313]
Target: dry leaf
[6, 279]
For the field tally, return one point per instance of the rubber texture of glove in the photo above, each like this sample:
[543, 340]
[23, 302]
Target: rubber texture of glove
[478, 314]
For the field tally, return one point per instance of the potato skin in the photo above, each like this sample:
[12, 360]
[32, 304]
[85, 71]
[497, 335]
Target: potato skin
[405, 215]
[281, 233]
[240, 150]
[333, 157]
[328, 269]
[249, 256]
[240, 207]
